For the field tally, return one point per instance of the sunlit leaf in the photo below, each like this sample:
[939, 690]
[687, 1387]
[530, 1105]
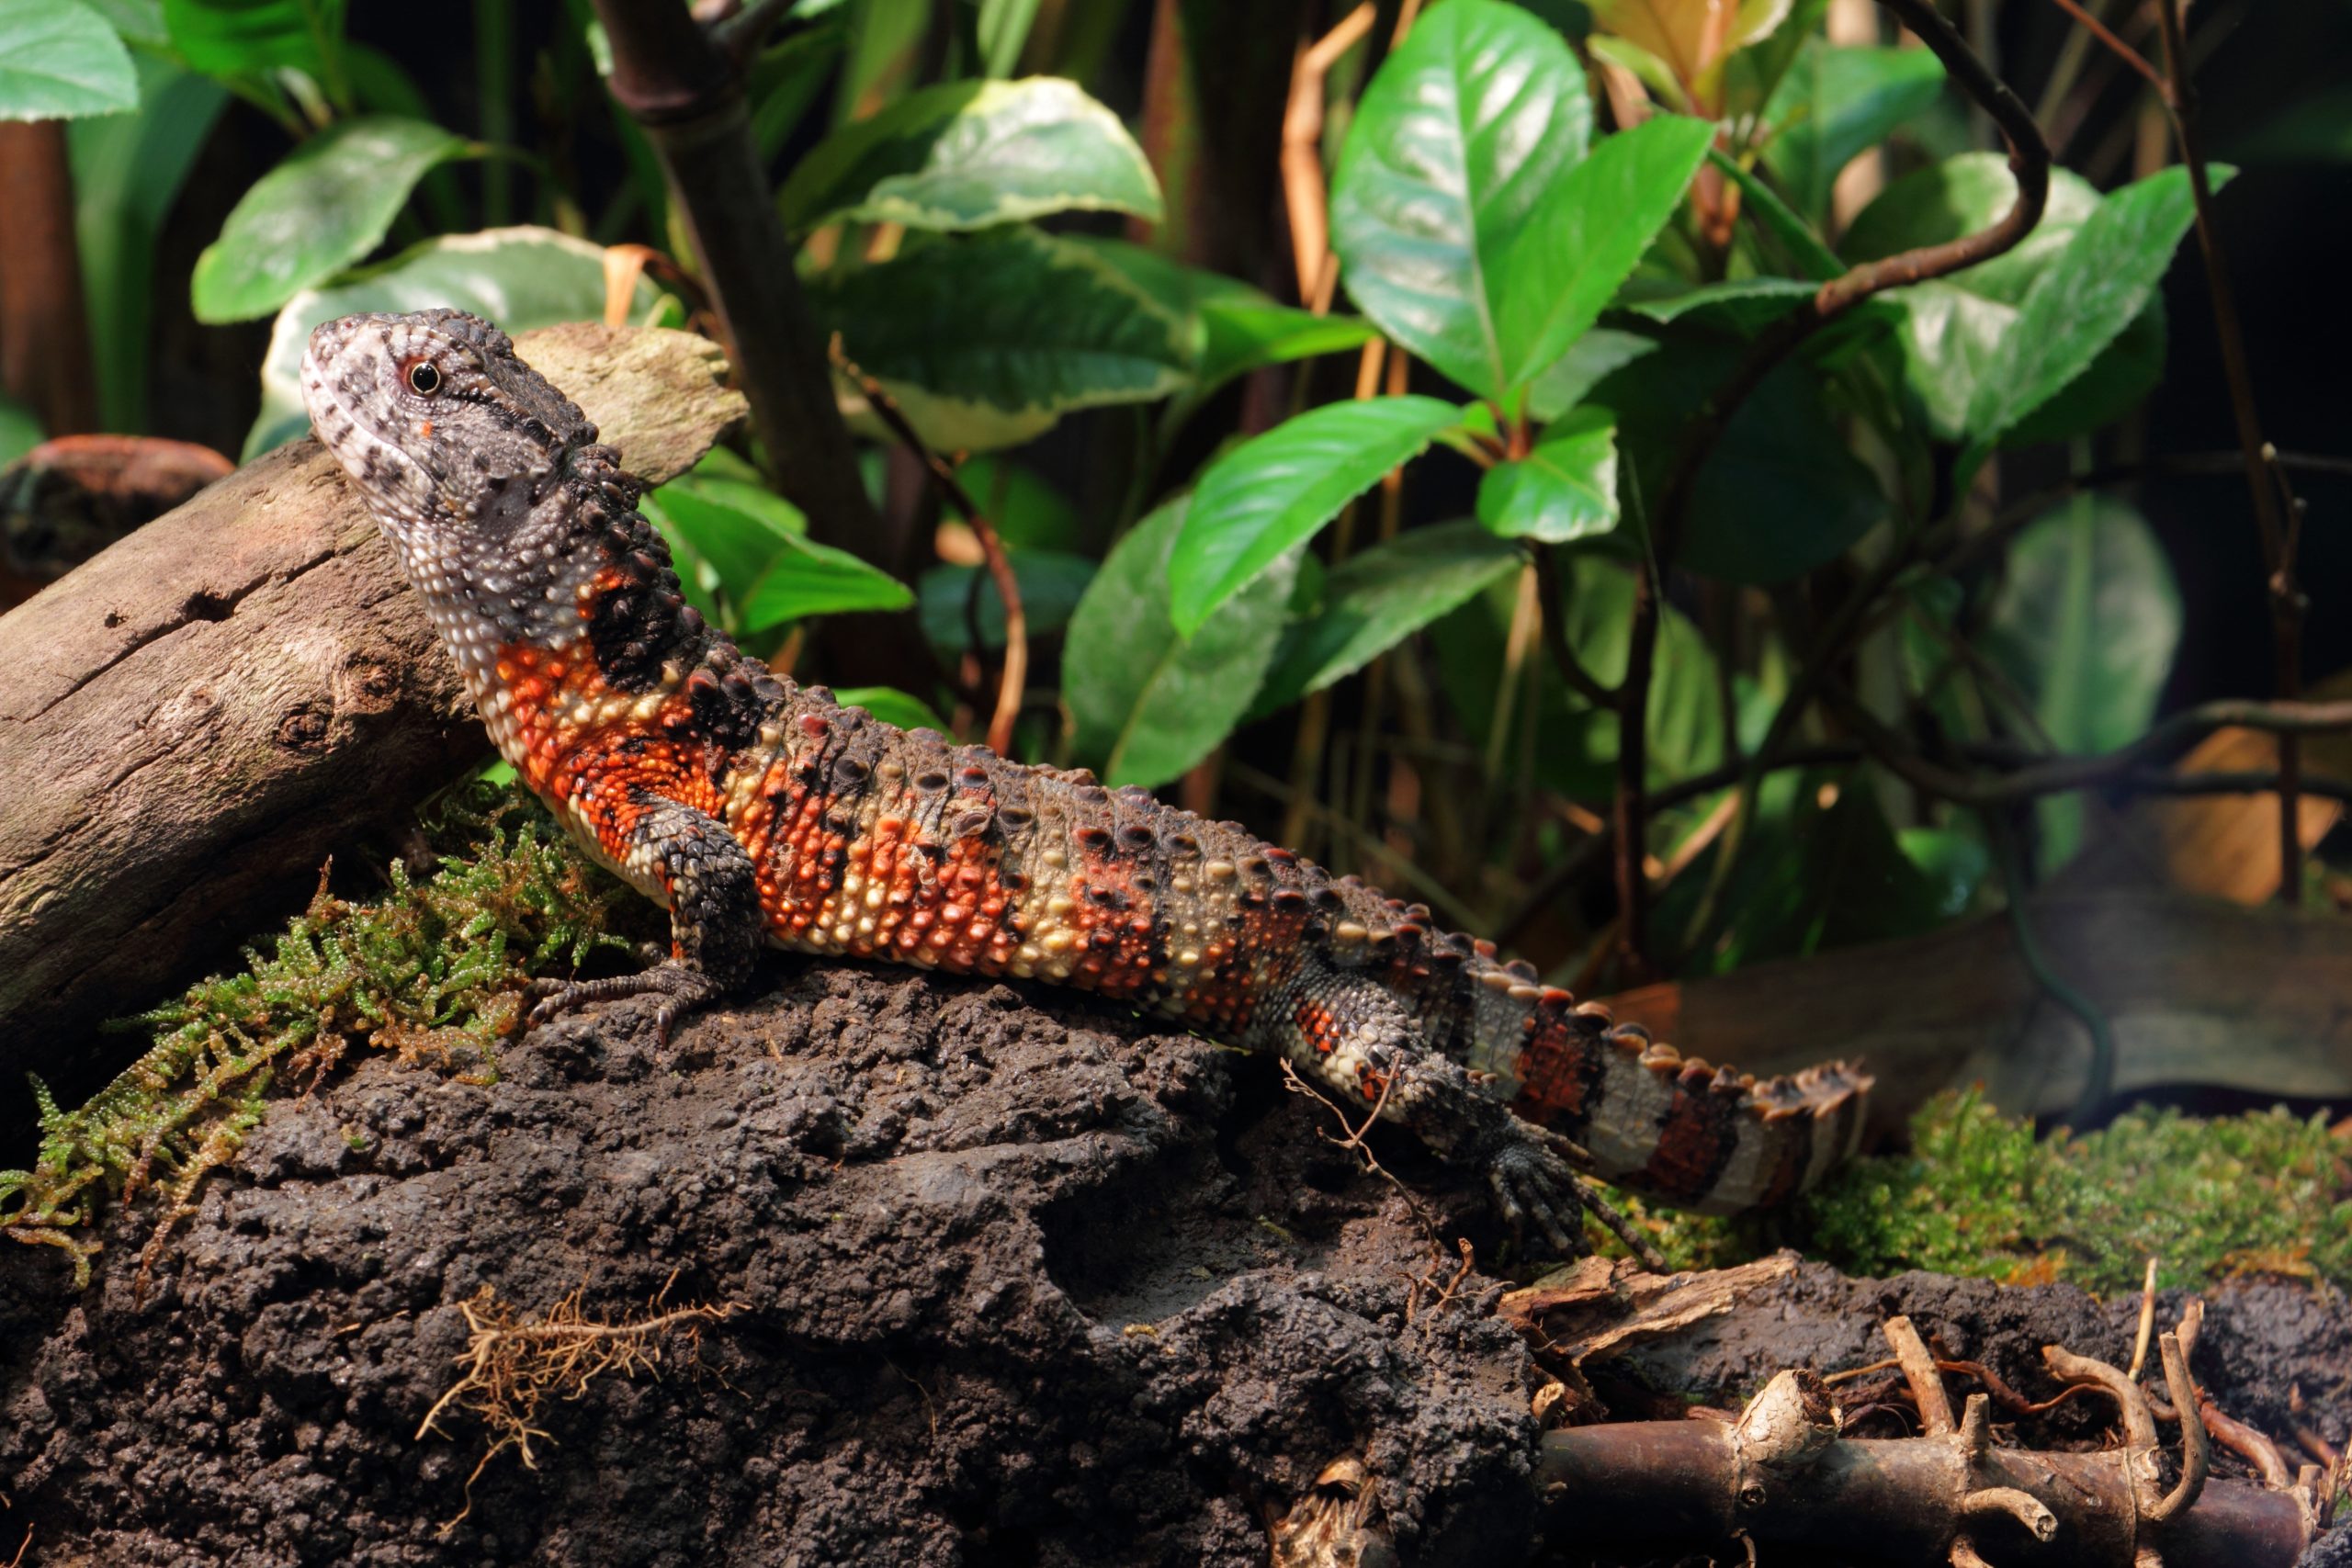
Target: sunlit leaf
[1264, 498]
[1458, 136]
[892, 705]
[60, 59]
[1838, 102]
[519, 278]
[326, 205]
[809, 578]
[1584, 236]
[1378, 597]
[2082, 302]
[968, 154]
[1564, 490]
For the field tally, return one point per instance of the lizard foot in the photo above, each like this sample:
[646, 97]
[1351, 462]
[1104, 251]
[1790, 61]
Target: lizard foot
[1535, 1186]
[1536, 1191]
[680, 987]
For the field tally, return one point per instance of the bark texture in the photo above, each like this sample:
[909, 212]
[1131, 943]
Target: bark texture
[194, 719]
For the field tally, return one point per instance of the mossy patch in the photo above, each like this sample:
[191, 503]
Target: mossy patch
[1980, 1195]
[433, 970]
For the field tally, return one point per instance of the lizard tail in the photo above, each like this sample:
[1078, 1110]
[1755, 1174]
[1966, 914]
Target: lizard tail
[1707, 1138]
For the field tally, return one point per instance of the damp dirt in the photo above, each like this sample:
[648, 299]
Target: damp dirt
[1010, 1279]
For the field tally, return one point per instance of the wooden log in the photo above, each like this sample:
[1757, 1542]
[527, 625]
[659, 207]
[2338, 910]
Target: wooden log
[2197, 990]
[192, 720]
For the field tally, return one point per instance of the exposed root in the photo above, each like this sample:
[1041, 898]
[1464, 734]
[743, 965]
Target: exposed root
[512, 1365]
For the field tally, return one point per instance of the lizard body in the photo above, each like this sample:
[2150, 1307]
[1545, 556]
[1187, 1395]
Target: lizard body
[759, 810]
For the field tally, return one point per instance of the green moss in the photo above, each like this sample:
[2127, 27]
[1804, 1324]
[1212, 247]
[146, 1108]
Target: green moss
[1979, 1195]
[432, 970]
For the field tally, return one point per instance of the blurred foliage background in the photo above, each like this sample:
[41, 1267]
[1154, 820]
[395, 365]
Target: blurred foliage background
[1371, 403]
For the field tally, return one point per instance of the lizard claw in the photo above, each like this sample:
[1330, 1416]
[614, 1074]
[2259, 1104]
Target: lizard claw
[1535, 1191]
[680, 987]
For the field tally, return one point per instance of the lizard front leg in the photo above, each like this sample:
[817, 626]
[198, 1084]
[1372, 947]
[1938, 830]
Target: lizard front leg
[715, 922]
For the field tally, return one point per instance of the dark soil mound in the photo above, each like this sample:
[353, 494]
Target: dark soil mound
[1021, 1280]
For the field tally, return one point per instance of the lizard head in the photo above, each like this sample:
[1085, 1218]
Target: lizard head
[436, 421]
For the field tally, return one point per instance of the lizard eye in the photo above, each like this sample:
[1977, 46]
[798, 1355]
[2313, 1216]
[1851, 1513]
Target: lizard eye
[423, 379]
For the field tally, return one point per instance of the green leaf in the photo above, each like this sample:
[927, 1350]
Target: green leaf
[1267, 496]
[1780, 494]
[1003, 28]
[1028, 512]
[808, 578]
[1805, 248]
[1954, 328]
[1563, 490]
[1835, 103]
[1144, 702]
[19, 430]
[892, 705]
[1597, 353]
[987, 339]
[1961, 195]
[1744, 305]
[2086, 623]
[1241, 328]
[128, 170]
[1458, 136]
[2082, 302]
[520, 278]
[969, 154]
[1051, 584]
[242, 38]
[1376, 599]
[326, 205]
[739, 530]
[1585, 235]
[59, 59]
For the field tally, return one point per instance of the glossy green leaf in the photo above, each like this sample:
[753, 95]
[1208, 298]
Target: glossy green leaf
[1377, 598]
[140, 22]
[987, 339]
[969, 154]
[2085, 623]
[1780, 494]
[1743, 305]
[1597, 353]
[128, 170]
[1240, 328]
[1805, 251]
[1563, 490]
[1271, 494]
[519, 278]
[1144, 702]
[59, 59]
[739, 530]
[1003, 28]
[1960, 195]
[1585, 235]
[2082, 302]
[1457, 136]
[1954, 328]
[892, 705]
[809, 578]
[326, 205]
[1838, 102]
[1051, 584]
[242, 38]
